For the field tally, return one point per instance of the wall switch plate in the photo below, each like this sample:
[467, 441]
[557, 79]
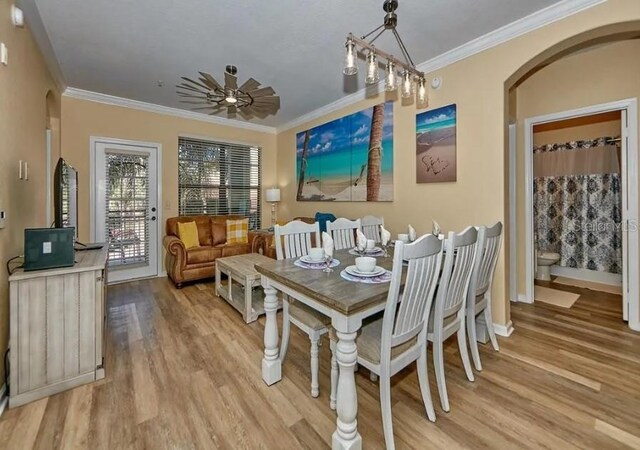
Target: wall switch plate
[4, 54]
[2, 219]
[20, 174]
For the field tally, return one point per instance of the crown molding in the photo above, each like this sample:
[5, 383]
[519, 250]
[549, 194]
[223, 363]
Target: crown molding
[41, 36]
[112, 100]
[538, 19]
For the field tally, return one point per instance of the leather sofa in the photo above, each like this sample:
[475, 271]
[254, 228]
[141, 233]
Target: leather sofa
[199, 263]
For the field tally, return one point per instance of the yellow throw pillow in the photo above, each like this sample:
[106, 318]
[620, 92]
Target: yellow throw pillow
[237, 232]
[188, 233]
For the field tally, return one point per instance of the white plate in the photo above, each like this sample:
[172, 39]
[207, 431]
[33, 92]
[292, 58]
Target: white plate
[308, 260]
[352, 270]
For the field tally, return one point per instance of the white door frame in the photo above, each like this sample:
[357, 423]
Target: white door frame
[513, 239]
[153, 146]
[631, 271]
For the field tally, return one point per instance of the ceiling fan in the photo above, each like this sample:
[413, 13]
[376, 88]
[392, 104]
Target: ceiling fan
[250, 100]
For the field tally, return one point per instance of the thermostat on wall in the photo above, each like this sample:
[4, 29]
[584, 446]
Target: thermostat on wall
[4, 54]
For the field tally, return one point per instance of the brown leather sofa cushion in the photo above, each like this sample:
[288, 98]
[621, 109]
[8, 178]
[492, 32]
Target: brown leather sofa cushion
[218, 232]
[233, 250]
[203, 255]
[202, 222]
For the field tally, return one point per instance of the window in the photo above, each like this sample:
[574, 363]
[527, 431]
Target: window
[218, 179]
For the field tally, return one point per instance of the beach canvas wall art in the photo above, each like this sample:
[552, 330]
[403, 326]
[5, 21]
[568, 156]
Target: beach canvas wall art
[348, 159]
[436, 145]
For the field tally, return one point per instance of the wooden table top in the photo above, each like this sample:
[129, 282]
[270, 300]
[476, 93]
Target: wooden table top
[346, 297]
[243, 264]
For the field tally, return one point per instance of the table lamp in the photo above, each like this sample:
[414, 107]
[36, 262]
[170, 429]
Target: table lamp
[273, 196]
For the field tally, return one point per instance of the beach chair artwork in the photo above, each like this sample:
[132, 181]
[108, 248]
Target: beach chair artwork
[349, 159]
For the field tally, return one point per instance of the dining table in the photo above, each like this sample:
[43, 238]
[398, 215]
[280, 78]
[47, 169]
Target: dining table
[347, 303]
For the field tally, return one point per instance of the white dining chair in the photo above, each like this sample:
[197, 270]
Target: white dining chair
[343, 232]
[479, 295]
[448, 313]
[371, 227]
[294, 240]
[388, 344]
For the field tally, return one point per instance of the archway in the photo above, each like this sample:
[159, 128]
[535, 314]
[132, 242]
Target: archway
[582, 42]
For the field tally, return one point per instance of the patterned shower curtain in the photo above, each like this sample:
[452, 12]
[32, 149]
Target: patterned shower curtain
[579, 215]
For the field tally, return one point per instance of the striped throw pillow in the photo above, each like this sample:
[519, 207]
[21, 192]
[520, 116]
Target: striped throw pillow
[237, 232]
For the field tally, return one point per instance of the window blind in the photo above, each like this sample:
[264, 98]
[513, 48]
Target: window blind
[127, 208]
[218, 178]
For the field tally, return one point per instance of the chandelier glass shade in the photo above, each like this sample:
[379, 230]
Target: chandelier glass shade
[411, 81]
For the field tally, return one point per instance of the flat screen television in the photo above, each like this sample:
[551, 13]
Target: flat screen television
[65, 196]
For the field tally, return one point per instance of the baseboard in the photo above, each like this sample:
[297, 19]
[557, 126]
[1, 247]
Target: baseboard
[594, 276]
[522, 298]
[503, 330]
[4, 398]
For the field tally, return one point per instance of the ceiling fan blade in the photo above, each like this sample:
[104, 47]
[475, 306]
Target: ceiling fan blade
[262, 92]
[209, 81]
[197, 83]
[245, 112]
[230, 81]
[249, 85]
[188, 87]
[231, 112]
[275, 100]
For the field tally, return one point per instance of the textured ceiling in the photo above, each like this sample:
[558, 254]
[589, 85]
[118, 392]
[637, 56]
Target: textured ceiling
[123, 47]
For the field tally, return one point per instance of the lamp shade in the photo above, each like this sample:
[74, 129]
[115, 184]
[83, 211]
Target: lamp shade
[273, 195]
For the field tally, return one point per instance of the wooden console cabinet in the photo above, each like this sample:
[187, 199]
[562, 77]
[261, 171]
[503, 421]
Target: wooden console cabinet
[57, 327]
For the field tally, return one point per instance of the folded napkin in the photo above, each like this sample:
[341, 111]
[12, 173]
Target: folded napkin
[327, 244]
[436, 229]
[385, 235]
[361, 240]
[412, 234]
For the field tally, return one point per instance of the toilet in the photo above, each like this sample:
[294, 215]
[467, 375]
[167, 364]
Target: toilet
[545, 260]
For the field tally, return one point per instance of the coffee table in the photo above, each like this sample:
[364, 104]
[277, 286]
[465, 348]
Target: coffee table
[242, 276]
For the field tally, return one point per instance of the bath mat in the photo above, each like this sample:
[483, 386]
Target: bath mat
[601, 287]
[554, 297]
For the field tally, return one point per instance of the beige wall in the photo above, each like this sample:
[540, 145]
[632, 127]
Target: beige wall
[479, 86]
[83, 119]
[24, 84]
[603, 74]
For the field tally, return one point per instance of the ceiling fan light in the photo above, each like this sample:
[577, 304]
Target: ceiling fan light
[407, 84]
[373, 76]
[391, 77]
[231, 97]
[350, 58]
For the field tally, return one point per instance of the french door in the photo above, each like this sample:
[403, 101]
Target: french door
[125, 207]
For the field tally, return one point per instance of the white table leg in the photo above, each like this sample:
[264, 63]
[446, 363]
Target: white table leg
[346, 435]
[271, 364]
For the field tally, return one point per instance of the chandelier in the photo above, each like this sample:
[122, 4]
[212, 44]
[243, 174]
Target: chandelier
[397, 72]
[249, 99]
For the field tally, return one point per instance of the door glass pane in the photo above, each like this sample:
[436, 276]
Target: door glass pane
[127, 208]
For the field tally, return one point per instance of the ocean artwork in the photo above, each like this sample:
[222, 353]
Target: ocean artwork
[436, 145]
[349, 159]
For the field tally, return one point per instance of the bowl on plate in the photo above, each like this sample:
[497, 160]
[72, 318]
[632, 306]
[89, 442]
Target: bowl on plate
[371, 244]
[365, 264]
[316, 253]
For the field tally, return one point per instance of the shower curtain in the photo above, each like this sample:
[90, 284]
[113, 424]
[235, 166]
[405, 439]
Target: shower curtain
[577, 203]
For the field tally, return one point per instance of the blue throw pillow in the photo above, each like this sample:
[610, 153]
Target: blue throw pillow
[322, 219]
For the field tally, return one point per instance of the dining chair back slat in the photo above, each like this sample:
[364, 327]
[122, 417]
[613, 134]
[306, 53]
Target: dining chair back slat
[460, 254]
[486, 258]
[343, 232]
[424, 257]
[371, 227]
[294, 239]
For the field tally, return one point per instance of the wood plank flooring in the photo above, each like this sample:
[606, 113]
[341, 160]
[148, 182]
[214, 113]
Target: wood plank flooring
[183, 372]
